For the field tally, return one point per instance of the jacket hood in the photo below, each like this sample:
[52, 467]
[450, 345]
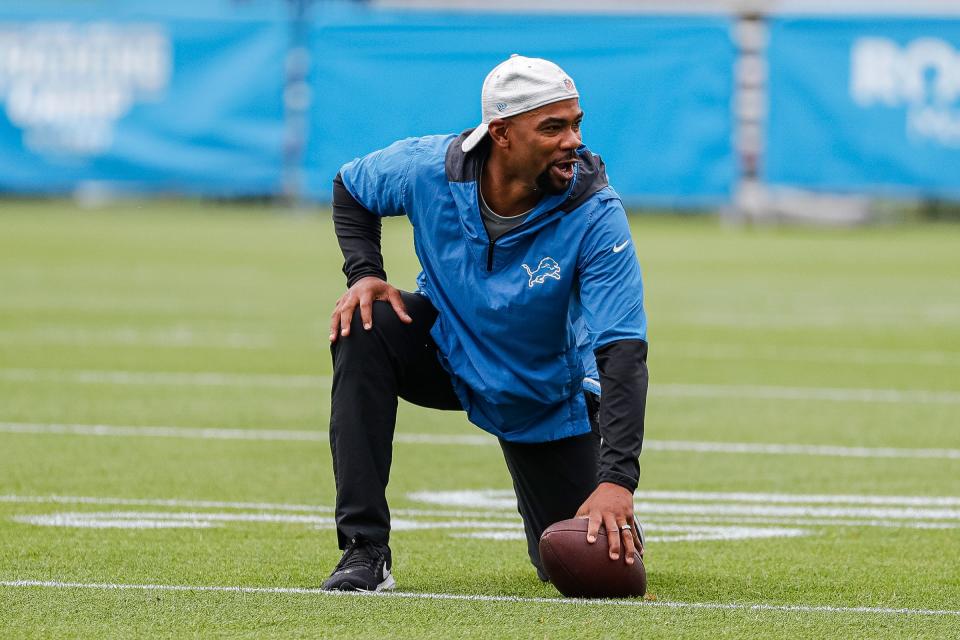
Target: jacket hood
[590, 175]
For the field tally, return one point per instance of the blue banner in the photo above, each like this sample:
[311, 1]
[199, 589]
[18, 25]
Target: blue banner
[143, 96]
[865, 105]
[656, 91]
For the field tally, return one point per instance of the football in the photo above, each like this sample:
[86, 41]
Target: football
[579, 569]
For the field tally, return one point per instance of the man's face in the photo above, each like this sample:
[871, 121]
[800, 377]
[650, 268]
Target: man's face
[544, 143]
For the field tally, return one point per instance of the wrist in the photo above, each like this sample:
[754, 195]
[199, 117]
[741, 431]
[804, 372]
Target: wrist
[357, 277]
[618, 481]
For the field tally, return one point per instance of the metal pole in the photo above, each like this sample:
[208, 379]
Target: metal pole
[296, 102]
[750, 112]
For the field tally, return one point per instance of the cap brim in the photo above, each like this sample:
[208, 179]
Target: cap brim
[475, 136]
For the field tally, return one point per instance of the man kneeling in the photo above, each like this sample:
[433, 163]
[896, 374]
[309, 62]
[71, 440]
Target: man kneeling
[529, 303]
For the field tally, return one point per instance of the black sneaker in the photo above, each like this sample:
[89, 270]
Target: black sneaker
[541, 574]
[365, 566]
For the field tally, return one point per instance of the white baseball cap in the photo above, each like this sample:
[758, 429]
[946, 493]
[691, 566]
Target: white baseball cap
[516, 85]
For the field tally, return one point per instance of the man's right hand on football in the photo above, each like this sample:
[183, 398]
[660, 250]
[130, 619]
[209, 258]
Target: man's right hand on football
[363, 293]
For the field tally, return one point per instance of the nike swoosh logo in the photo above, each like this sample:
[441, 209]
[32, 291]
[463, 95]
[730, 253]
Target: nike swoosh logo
[617, 248]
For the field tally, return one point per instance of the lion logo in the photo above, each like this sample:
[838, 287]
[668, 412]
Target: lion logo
[548, 268]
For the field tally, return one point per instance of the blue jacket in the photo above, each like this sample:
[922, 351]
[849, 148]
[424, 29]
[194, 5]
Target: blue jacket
[519, 318]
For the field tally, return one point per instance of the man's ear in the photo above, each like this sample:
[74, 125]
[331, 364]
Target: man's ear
[498, 130]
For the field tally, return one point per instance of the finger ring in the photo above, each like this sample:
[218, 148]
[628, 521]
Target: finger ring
[625, 527]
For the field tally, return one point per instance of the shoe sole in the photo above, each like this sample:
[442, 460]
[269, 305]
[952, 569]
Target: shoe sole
[388, 584]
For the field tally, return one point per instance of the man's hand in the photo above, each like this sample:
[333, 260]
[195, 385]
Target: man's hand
[612, 505]
[363, 292]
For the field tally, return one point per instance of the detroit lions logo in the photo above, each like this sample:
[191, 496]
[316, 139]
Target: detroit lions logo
[548, 268]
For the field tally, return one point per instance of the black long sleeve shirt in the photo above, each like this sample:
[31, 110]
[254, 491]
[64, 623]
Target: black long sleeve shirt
[622, 364]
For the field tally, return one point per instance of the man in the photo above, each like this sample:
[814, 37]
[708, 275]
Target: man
[530, 301]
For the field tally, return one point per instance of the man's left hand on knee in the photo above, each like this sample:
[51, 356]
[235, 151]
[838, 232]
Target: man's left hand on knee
[611, 505]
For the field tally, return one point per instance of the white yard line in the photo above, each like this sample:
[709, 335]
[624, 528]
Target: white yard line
[806, 522]
[199, 433]
[504, 498]
[660, 508]
[492, 529]
[261, 506]
[781, 353]
[484, 499]
[738, 391]
[484, 529]
[880, 513]
[186, 518]
[478, 440]
[171, 378]
[163, 502]
[291, 435]
[804, 498]
[795, 608]
[858, 317]
[715, 505]
[800, 449]
[718, 504]
[689, 533]
[86, 302]
[175, 336]
[186, 336]
[831, 394]
[199, 519]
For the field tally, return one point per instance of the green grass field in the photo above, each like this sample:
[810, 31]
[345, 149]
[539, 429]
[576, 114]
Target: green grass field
[164, 397]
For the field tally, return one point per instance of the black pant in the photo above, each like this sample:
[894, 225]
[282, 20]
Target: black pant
[371, 369]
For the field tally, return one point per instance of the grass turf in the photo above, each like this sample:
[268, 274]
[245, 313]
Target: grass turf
[141, 291]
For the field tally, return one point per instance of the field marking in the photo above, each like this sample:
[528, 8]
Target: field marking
[168, 519]
[175, 336]
[203, 433]
[220, 504]
[672, 390]
[304, 435]
[185, 336]
[194, 520]
[496, 509]
[199, 433]
[492, 535]
[805, 498]
[875, 316]
[504, 498]
[880, 513]
[171, 378]
[486, 529]
[61, 301]
[824, 450]
[93, 522]
[808, 522]
[704, 533]
[831, 394]
[498, 499]
[790, 608]
[682, 533]
[779, 353]
[162, 502]
[646, 504]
